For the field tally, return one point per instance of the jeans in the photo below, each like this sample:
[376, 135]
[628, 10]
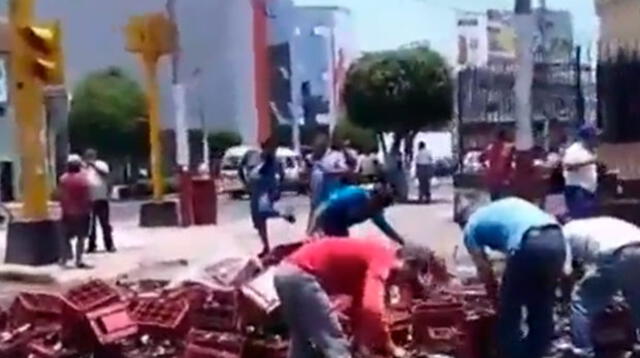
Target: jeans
[613, 274]
[308, 312]
[581, 203]
[101, 213]
[529, 282]
[424, 174]
[334, 228]
[261, 203]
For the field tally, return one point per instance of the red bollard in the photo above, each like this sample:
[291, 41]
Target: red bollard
[186, 198]
[205, 201]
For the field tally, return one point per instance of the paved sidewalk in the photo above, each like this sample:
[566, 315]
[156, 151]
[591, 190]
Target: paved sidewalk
[164, 251]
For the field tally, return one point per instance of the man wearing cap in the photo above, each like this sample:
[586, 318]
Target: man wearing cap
[581, 174]
[98, 173]
[75, 200]
[536, 251]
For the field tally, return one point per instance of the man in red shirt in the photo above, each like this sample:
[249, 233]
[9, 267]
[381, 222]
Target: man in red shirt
[360, 268]
[75, 199]
[499, 157]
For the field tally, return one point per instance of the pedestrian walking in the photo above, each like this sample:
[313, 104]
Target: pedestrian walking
[535, 249]
[581, 174]
[608, 250]
[359, 268]
[75, 200]
[98, 174]
[264, 182]
[353, 205]
[499, 157]
[424, 172]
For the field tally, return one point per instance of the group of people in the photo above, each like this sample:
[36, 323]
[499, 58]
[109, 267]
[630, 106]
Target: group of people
[83, 191]
[596, 256]
[574, 170]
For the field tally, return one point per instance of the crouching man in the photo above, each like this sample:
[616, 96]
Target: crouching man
[608, 250]
[360, 268]
[535, 248]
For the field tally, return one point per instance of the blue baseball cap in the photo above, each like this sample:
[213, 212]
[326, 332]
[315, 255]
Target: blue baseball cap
[588, 131]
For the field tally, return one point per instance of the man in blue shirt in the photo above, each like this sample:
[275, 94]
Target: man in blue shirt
[536, 251]
[352, 205]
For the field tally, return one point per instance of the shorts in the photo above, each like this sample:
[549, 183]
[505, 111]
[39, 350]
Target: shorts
[76, 226]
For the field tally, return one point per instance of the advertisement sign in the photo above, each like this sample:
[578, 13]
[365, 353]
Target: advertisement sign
[472, 39]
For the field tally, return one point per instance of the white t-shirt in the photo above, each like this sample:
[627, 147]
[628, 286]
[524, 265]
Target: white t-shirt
[424, 157]
[594, 239]
[586, 176]
[99, 186]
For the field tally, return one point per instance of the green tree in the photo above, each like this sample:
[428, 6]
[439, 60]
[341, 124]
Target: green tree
[362, 139]
[401, 91]
[106, 113]
[219, 142]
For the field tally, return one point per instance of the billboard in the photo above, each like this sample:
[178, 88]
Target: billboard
[472, 39]
[501, 35]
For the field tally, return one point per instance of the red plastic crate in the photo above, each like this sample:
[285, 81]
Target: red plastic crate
[160, 315]
[112, 324]
[91, 295]
[434, 314]
[13, 343]
[35, 308]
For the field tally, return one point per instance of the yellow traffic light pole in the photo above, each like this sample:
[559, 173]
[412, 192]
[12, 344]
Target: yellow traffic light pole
[151, 36]
[27, 96]
[150, 62]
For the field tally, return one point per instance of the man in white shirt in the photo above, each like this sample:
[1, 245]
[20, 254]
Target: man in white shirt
[581, 174]
[609, 251]
[424, 172]
[98, 174]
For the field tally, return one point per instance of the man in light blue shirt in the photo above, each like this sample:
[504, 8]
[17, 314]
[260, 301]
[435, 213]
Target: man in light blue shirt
[352, 205]
[536, 251]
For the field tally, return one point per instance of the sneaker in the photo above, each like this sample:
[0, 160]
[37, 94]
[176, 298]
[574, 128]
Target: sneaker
[91, 250]
[112, 250]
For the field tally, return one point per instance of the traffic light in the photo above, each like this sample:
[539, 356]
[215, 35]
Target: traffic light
[45, 54]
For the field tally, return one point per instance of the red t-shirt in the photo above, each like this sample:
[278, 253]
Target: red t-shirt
[358, 268]
[75, 196]
[499, 155]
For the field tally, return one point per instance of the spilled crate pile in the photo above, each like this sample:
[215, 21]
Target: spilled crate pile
[231, 312]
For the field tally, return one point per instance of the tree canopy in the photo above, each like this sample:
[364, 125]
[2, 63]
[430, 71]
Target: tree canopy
[401, 91]
[106, 111]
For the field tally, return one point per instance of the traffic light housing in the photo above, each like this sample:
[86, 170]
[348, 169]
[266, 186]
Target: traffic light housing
[45, 53]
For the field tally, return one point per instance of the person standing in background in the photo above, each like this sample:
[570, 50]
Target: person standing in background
[98, 175]
[424, 172]
[581, 174]
[74, 193]
[499, 158]
[316, 177]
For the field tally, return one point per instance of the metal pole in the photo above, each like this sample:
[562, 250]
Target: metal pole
[153, 98]
[579, 95]
[27, 96]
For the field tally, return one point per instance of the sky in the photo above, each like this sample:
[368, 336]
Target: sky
[387, 24]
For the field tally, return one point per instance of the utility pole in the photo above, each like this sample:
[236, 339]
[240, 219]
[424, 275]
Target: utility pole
[524, 171]
[579, 94]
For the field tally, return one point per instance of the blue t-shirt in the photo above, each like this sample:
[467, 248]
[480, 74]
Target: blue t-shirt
[348, 206]
[502, 225]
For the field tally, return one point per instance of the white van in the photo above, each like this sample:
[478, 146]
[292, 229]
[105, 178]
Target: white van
[232, 159]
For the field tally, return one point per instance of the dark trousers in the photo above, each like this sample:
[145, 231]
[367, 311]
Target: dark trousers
[100, 213]
[529, 282]
[581, 203]
[75, 227]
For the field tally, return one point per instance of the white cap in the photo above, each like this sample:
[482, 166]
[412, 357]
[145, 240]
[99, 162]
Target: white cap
[74, 158]
[101, 167]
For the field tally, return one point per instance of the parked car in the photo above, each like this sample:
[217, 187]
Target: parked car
[232, 160]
